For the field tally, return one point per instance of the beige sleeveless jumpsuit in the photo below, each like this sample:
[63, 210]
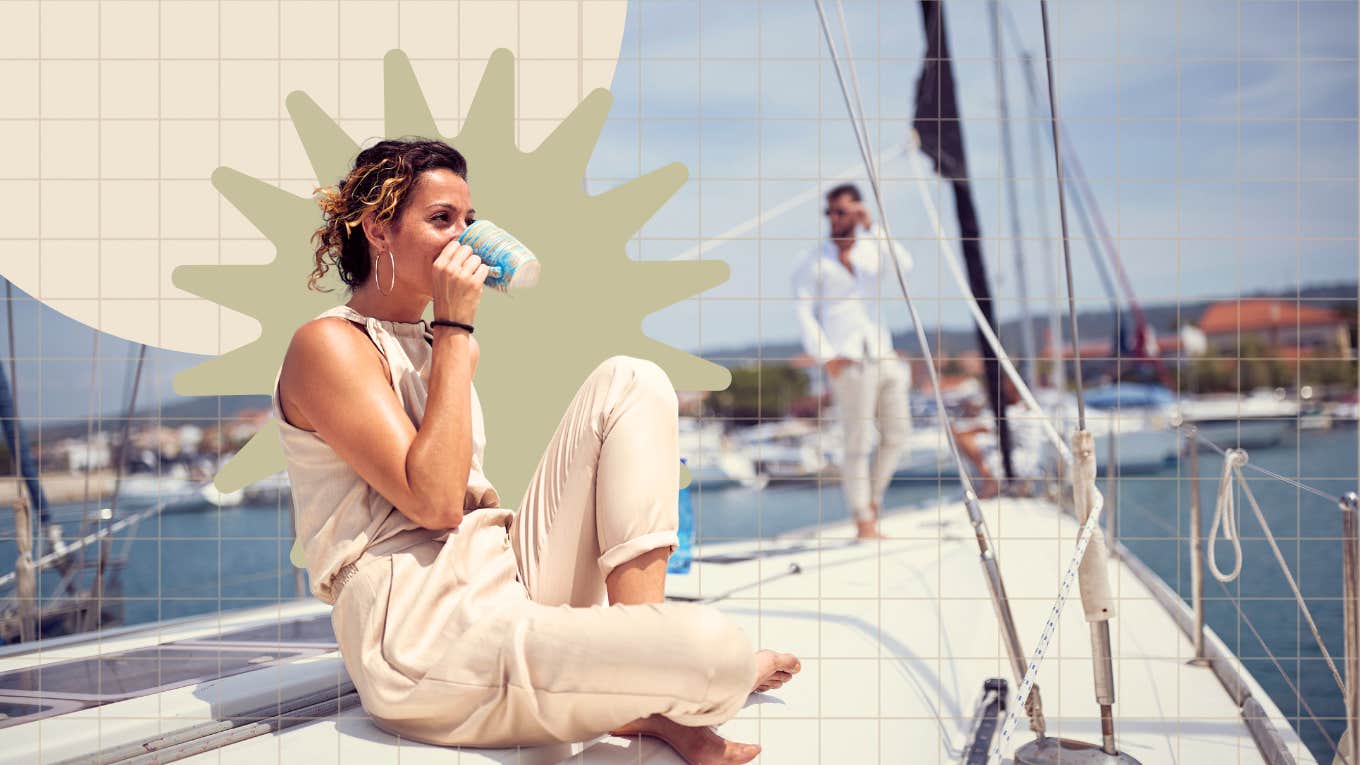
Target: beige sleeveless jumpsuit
[496, 633]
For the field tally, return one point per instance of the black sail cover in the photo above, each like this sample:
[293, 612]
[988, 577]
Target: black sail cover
[937, 108]
[941, 133]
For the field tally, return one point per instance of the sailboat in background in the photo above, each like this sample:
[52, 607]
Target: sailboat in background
[71, 555]
[84, 591]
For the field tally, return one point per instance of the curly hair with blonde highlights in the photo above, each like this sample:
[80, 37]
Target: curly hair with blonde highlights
[379, 183]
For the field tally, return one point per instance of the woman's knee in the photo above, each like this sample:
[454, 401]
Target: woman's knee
[648, 376]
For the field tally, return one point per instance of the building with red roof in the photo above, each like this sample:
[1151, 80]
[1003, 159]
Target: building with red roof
[1289, 329]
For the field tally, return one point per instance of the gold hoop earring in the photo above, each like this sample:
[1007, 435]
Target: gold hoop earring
[393, 281]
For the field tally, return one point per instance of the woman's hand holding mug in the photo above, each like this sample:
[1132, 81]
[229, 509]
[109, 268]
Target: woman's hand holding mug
[457, 276]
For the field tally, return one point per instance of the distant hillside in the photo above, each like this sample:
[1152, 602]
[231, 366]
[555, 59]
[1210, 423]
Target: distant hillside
[1164, 318]
[198, 410]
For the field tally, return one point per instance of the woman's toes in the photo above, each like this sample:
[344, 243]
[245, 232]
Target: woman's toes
[739, 753]
[775, 669]
[786, 662]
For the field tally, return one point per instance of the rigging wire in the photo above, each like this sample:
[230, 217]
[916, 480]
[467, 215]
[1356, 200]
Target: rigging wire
[1027, 345]
[1062, 213]
[860, 124]
[1090, 526]
[1190, 431]
[1028, 698]
[802, 197]
[1059, 379]
[1298, 694]
[979, 319]
[77, 544]
[984, 327]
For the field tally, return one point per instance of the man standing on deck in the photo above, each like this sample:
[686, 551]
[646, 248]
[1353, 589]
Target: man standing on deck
[839, 284]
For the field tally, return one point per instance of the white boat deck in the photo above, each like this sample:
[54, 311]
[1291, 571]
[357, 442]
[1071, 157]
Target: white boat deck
[896, 639]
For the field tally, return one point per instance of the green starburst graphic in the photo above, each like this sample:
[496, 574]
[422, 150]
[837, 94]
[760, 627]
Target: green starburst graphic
[538, 344]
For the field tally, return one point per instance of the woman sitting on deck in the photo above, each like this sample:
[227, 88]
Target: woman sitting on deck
[462, 622]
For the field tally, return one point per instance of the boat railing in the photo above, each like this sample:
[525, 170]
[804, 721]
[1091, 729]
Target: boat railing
[69, 559]
[1231, 484]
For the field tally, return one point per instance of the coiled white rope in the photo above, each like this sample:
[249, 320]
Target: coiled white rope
[1233, 460]
[1225, 513]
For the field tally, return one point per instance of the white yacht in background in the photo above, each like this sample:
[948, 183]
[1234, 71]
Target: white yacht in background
[1143, 442]
[1255, 421]
[789, 449]
[269, 490]
[1139, 418]
[925, 456]
[173, 487]
[713, 460]
[210, 494]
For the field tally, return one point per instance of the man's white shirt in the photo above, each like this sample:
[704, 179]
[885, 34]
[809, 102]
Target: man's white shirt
[839, 311]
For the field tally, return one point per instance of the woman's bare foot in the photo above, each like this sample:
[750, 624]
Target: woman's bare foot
[773, 669]
[697, 746]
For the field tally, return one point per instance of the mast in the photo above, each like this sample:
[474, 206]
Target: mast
[1058, 374]
[1096, 598]
[30, 625]
[1140, 346]
[73, 606]
[1012, 198]
[25, 469]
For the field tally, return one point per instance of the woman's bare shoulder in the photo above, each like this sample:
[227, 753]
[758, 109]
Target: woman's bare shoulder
[322, 352]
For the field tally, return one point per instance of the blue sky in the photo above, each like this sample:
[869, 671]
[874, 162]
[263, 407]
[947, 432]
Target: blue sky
[763, 103]
[1219, 138]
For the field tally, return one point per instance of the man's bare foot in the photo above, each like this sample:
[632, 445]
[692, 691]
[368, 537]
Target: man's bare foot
[867, 530]
[697, 746]
[773, 669]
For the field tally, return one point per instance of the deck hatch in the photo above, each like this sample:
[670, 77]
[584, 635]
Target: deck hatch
[17, 710]
[140, 672]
